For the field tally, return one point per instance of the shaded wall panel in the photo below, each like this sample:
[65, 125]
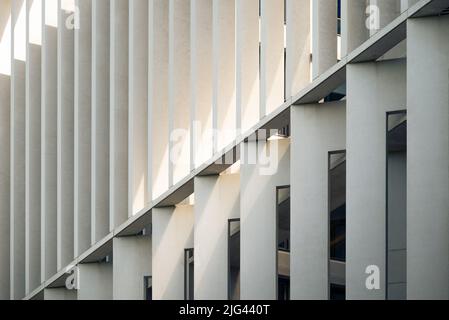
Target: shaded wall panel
[258, 182]
[132, 261]
[60, 294]
[316, 130]
[427, 158]
[172, 232]
[95, 281]
[373, 90]
[217, 199]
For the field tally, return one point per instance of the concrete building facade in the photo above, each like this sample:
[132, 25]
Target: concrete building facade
[224, 149]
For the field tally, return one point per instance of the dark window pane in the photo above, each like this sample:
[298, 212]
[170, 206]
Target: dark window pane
[283, 241]
[337, 224]
[337, 292]
[188, 274]
[234, 259]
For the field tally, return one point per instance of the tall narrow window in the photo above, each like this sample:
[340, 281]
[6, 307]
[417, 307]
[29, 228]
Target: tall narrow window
[188, 274]
[283, 241]
[337, 225]
[234, 259]
[396, 213]
[147, 288]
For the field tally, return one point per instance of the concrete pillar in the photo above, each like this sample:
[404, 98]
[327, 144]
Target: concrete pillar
[324, 36]
[374, 89]
[132, 262]
[172, 232]
[201, 81]
[138, 192]
[179, 89]
[247, 63]
[427, 158]
[49, 114]
[5, 92]
[118, 126]
[388, 10]
[66, 156]
[353, 25]
[100, 119]
[316, 130]
[217, 199]
[224, 72]
[271, 55]
[33, 146]
[18, 119]
[5, 156]
[298, 46]
[95, 281]
[258, 182]
[158, 96]
[83, 128]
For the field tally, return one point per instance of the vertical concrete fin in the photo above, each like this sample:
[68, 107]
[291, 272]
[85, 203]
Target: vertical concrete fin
[83, 126]
[119, 99]
[138, 107]
[100, 142]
